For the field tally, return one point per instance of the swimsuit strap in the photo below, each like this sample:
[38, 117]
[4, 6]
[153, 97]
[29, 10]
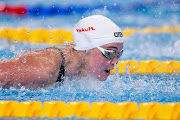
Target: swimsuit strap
[62, 68]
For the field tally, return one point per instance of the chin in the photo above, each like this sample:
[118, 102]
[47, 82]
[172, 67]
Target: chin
[101, 78]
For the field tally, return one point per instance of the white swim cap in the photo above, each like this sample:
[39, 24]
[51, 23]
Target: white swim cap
[94, 31]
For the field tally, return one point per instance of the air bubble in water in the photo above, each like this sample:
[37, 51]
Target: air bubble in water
[105, 7]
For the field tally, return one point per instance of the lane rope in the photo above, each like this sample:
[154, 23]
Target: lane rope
[59, 36]
[147, 67]
[95, 110]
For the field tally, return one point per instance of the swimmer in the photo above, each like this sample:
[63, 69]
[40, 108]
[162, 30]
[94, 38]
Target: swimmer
[98, 43]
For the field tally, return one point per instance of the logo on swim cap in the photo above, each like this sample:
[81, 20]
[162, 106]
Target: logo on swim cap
[85, 29]
[118, 34]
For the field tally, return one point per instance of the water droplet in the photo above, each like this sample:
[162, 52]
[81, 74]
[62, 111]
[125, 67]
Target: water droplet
[39, 77]
[0, 69]
[105, 7]
[27, 32]
[51, 38]
[65, 43]
[24, 60]
[58, 37]
[15, 40]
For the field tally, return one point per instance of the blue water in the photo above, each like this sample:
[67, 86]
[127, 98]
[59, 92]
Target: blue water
[136, 88]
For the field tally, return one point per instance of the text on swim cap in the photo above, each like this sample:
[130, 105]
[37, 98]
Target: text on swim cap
[118, 34]
[85, 29]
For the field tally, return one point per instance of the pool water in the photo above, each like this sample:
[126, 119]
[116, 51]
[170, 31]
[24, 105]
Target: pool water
[140, 46]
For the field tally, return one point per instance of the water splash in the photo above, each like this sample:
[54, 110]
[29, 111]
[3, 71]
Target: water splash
[162, 46]
[117, 88]
[24, 60]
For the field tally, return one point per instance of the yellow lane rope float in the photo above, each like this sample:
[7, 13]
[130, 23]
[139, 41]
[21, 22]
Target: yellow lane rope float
[95, 110]
[59, 36]
[147, 67]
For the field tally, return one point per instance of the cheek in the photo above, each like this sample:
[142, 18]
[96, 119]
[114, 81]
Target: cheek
[98, 63]
[97, 69]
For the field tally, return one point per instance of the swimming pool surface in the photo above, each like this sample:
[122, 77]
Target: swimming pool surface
[140, 46]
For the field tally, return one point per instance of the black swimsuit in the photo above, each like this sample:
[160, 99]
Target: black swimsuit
[62, 68]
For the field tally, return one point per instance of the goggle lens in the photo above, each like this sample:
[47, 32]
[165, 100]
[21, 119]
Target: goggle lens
[119, 54]
[109, 54]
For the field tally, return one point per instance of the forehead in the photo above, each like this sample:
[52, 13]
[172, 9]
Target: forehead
[118, 46]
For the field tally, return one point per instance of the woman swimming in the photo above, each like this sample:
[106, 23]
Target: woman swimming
[98, 43]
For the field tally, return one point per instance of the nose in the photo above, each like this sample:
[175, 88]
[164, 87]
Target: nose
[114, 60]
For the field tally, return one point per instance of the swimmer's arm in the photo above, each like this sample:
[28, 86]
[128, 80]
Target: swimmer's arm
[39, 68]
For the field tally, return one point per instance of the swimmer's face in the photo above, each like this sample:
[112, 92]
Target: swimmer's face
[99, 66]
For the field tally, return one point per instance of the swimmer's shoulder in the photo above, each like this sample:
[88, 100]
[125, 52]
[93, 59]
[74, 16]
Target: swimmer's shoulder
[68, 47]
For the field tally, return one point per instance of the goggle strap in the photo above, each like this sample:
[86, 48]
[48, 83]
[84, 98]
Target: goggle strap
[101, 49]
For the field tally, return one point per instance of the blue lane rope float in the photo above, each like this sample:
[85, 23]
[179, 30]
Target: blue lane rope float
[41, 10]
[95, 110]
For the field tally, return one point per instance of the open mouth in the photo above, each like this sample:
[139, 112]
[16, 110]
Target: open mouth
[108, 71]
